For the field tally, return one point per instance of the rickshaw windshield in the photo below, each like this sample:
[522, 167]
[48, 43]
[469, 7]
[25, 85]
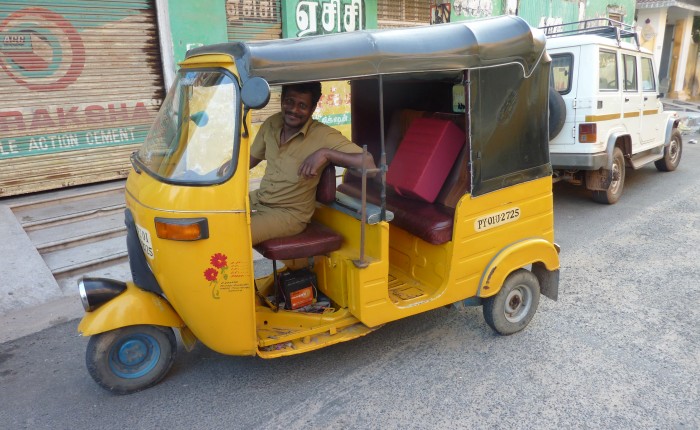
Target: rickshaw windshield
[195, 131]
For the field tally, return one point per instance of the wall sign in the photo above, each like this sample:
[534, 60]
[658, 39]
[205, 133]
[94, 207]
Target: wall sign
[242, 11]
[70, 79]
[41, 50]
[316, 17]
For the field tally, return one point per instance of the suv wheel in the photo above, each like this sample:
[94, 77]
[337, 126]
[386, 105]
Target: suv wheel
[614, 191]
[672, 153]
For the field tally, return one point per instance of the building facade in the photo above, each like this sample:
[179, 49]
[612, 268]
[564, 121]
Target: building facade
[671, 31]
[82, 80]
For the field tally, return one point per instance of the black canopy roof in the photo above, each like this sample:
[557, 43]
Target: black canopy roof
[468, 44]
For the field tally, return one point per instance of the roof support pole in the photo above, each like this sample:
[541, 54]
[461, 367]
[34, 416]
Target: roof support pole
[382, 157]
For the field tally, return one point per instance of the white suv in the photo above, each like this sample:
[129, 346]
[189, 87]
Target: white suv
[605, 112]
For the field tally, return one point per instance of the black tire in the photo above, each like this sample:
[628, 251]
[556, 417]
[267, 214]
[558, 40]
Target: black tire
[130, 359]
[672, 153]
[557, 113]
[614, 191]
[513, 307]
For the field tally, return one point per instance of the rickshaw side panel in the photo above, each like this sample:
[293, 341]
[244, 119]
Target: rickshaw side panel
[492, 222]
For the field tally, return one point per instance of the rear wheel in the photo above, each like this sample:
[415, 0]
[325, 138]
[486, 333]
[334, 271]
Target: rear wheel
[513, 307]
[672, 153]
[614, 191]
[132, 358]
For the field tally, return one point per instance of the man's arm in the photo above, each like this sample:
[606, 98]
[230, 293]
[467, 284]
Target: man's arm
[254, 161]
[313, 163]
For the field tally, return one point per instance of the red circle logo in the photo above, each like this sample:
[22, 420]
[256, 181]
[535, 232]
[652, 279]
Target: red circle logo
[41, 50]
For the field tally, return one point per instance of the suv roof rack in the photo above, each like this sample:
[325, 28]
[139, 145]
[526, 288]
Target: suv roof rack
[605, 27]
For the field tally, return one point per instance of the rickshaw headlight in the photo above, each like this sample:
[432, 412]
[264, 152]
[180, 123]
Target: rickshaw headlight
[95, 292]
[182, 228]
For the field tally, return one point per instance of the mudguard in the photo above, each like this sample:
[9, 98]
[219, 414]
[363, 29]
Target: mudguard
[515, 256]
[602, 178]
[612, 142]
[671, 123]
[132, 307]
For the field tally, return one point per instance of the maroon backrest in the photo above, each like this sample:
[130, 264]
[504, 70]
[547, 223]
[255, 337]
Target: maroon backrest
[325, 191]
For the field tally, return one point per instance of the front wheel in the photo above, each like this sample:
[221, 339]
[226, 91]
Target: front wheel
[672, 153]
[513, 307]
[130, 359]
[614, 191]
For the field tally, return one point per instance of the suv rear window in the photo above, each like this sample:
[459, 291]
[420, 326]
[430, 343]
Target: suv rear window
[560, 78]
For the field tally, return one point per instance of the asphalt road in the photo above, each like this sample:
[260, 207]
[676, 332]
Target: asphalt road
[619, 350]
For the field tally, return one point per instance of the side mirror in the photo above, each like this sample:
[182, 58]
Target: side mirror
[255, 93]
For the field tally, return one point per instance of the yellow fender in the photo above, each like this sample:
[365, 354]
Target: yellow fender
[132, 307]
[513, 257]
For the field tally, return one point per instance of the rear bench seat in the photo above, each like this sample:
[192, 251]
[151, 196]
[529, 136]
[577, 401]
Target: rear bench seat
[431, 222]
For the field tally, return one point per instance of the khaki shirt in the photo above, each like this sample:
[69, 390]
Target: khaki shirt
[281, 186]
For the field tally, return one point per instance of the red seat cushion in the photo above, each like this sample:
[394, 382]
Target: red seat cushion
[316, 239]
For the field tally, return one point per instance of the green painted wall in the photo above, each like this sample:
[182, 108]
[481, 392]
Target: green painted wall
[196, 23]
[535, 12]
[462, 10]
[558, 11]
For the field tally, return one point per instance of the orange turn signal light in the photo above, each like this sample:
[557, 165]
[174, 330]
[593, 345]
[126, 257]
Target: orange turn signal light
[182, 228]
[587, 133]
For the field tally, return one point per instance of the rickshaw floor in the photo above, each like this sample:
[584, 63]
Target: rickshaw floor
[403, 290]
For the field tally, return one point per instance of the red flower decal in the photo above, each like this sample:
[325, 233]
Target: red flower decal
[211, 274]
[218, 260]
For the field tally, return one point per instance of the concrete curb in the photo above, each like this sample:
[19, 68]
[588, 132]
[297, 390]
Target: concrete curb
[30, 320]
[26, 280]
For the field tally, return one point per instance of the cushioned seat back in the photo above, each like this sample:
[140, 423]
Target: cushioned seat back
[325, 191]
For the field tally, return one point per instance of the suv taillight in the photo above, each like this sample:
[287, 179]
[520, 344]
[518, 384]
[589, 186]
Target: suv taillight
[587, 133]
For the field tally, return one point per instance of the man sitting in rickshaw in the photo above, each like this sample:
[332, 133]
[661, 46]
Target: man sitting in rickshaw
[297, 149]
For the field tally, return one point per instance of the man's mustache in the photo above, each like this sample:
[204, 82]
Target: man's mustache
[292, 114]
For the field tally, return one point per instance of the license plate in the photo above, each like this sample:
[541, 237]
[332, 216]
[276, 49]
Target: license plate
[145, 239]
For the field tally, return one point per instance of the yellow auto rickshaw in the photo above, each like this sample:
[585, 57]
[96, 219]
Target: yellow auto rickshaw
[376, 252]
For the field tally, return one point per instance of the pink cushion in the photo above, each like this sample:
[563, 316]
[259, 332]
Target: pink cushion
[424, 159]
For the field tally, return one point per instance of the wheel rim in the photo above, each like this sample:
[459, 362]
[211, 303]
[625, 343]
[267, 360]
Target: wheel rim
[616, 176]
[134, 356]
[673, 151]
[518, 303]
